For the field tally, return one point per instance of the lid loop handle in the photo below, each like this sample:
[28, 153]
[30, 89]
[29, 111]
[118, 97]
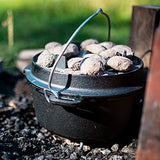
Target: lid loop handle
[56, 94]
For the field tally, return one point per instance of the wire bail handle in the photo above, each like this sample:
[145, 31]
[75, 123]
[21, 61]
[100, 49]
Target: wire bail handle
[56, 94]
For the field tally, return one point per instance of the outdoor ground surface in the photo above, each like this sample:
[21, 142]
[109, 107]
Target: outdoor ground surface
[21, 136]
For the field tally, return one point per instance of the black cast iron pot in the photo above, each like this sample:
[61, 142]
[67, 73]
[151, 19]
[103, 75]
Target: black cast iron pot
[90, 108]
[82, 107]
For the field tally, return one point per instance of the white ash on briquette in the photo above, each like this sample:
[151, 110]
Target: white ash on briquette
[107, 45]
[112, 56]
[107, 53]
[120, 63]
[123, 48]
[46, 59]
[92, 66]
[87, 42]
[117, 50]
[74, 63]
[95, 48]
[71, 51]
[99, 57]
[51, 46]
[56, 48]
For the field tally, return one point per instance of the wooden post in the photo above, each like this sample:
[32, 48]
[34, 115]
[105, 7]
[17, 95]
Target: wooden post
[149, 137]
[145, 20]
[10, 28]
[9, 22]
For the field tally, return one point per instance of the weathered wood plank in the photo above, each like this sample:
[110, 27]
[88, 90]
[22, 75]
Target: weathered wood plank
[145, 19]
[149, 137]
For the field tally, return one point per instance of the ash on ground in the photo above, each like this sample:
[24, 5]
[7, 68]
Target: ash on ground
[21, 137]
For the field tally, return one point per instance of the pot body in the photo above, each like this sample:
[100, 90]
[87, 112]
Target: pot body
[96, 120]
[97, 109]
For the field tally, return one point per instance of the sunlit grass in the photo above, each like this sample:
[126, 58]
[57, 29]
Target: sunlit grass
[36, 22]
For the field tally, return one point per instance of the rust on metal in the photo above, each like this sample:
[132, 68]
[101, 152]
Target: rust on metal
[149, 137]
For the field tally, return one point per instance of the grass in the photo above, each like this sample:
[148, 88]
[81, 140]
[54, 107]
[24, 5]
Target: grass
[37, 22]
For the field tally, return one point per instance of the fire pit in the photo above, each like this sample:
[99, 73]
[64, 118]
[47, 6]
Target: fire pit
[91, 108]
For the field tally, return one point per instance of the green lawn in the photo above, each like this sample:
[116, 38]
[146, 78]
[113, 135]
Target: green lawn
[37, 22]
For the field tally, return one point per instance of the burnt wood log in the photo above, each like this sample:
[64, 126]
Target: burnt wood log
[145, 20]
[149, 137]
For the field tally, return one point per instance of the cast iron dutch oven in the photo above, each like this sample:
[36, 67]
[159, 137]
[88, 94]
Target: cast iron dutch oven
[82, 107]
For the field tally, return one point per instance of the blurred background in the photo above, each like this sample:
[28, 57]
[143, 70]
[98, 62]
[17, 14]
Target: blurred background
[30, 24]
